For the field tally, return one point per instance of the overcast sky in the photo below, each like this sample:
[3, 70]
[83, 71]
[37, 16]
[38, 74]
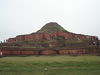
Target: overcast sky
[26, 16]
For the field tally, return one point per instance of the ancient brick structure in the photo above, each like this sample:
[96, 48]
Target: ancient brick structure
[51, 36]
[52, 41]
[50, 32]
[6, 51]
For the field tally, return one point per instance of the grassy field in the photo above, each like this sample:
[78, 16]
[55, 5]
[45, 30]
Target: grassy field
[50, 65]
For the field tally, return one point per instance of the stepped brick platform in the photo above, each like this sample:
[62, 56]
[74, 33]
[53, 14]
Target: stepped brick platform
[8, 51]
[51, 39]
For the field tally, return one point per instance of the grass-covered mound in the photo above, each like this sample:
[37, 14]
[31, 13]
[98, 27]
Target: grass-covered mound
[51, 27]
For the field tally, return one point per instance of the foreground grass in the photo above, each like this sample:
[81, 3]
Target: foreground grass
[50, 65]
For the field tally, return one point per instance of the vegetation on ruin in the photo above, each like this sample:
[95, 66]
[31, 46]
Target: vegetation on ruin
[46, 43]
[51, 27]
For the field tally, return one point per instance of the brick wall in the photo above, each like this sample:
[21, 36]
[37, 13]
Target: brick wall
[29, 51]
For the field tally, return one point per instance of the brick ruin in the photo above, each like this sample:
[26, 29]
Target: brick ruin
[8, 51]
[34, 37]
[47, 36]
[63, 42]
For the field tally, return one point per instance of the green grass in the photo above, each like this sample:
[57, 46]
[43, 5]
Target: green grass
[55, 65]
[51, 27]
